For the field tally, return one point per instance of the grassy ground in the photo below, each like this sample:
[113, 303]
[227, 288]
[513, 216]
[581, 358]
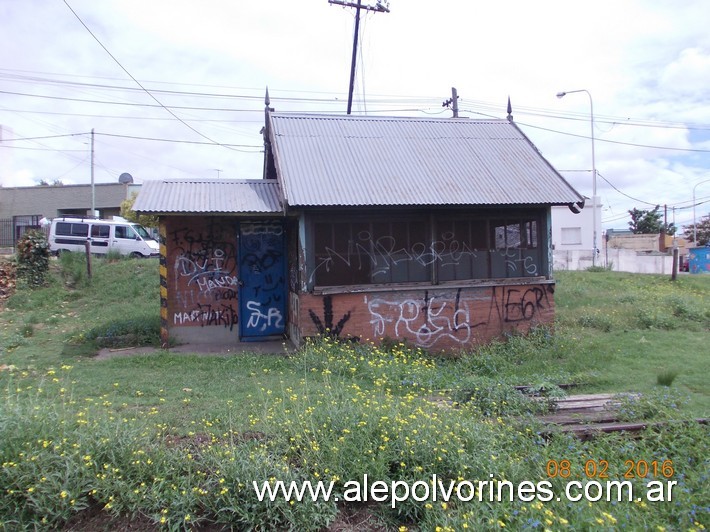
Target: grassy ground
[176, 439]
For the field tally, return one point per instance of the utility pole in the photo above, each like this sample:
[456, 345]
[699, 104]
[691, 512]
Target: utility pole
[93, 189]
[380, 7]
[453, 102]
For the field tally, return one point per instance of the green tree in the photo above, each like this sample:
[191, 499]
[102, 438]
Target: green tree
[703, 231]
[649, 222]
[129, 214]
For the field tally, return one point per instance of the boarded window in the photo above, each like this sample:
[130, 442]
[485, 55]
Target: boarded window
[517, 250]
[462, 249]
[427, 248]
[371, 252]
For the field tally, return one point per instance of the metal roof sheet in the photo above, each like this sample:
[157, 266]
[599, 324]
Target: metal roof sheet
[325, 160]
[209, 196]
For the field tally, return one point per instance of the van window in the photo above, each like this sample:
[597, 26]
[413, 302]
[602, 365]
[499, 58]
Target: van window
[100, 231]
[142, 232]
[70, 229]
[124, 231]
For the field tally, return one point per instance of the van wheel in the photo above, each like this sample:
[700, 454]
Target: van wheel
[136, 255]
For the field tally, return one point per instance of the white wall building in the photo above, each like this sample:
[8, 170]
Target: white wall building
[572, 238]
[573, 232]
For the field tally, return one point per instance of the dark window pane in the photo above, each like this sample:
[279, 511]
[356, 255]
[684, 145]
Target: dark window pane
[323, 238]
[123, 231]
[63, 229]
[79, 230]
[479, 238]
[381, 251]
[100, 231]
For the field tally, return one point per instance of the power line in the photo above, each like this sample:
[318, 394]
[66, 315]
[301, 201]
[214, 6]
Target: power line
[624, 193]
[136, 138]
[335, 101]
[38, 149]
[45, 137]
[694, 150]
[532, 111]
[120, 117]
[234, 146]
[159, 105]
[139, 84]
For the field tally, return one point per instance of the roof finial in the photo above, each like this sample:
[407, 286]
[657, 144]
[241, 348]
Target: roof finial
[267, 100]
[510, 110]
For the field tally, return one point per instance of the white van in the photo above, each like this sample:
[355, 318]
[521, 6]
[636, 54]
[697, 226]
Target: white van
[72, 233]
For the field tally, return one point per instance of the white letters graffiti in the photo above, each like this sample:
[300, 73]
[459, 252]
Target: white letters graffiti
[272, 317]
[429, 321]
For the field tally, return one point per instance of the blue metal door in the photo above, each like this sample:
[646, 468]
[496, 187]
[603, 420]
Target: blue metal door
[262, 276]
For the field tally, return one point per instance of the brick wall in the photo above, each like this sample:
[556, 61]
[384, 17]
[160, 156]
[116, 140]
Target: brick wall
[201, 278]
[433, 318]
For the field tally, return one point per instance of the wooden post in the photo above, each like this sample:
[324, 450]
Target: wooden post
[675, 264]
[87, 246]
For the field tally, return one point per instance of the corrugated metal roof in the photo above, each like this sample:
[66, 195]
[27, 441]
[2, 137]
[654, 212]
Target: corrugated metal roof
[209, 196]
[326, 160]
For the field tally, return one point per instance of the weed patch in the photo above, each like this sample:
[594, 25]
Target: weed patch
[179, 439]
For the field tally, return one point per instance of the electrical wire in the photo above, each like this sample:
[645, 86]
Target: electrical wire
[692, 150]
[138, 82]
[44, 137]
[234, 146]
[624, 193]
[532, 111]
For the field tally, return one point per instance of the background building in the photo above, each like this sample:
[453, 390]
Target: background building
[22, 208]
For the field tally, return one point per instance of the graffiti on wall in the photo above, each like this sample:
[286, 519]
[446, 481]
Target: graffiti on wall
[518, 266]
[520, 304]
[378, 256]
[205, 278]
[262, 270]
[426, 320]
[452, 318]
[325, 326]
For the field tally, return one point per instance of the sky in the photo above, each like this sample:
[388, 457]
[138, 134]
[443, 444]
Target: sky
[175, 88]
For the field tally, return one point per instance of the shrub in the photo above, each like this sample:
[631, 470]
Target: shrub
[142, 330]
[33, 258]
[598, 269]
[596, 320]
[666, 378]
[655, 319]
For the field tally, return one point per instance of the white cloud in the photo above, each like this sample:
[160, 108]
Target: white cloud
[645, 62]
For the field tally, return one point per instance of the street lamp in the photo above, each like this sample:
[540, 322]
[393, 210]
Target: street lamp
[695, 232]
[594, 172]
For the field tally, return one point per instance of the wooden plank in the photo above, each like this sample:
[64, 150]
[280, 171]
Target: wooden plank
[528, 388]
[589, 431]
[583, 405]
[589, 397]
[586, 417]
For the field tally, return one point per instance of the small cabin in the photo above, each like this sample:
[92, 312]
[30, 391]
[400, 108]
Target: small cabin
[430, 230]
